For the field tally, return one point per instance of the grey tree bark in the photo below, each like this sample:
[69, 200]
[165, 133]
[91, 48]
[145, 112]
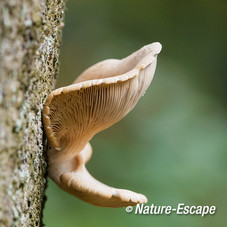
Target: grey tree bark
[30, 36]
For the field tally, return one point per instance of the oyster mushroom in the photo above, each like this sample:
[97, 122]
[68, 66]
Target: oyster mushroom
[101, 96]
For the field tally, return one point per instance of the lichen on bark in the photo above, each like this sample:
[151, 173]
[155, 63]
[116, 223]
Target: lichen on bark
[30, 37]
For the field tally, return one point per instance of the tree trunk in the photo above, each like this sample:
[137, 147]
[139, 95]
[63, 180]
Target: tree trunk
[30, 35]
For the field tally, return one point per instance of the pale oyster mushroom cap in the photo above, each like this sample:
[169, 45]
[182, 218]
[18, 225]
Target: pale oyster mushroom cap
[101, 96]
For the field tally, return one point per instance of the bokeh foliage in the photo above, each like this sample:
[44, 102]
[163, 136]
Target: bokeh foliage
[172, 146]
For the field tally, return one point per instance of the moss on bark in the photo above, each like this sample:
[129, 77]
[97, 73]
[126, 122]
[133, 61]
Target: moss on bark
[30, 36]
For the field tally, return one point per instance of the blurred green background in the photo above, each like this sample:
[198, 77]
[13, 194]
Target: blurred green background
[172, 146]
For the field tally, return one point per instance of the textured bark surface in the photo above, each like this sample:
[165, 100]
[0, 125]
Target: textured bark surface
[30, 35]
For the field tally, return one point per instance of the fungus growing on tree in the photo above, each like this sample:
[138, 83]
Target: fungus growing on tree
[101, 96]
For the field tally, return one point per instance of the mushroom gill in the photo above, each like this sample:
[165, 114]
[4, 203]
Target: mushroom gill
[101, 96]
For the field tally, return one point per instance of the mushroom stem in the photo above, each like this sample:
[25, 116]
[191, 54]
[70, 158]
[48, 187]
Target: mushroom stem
[73, 177]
